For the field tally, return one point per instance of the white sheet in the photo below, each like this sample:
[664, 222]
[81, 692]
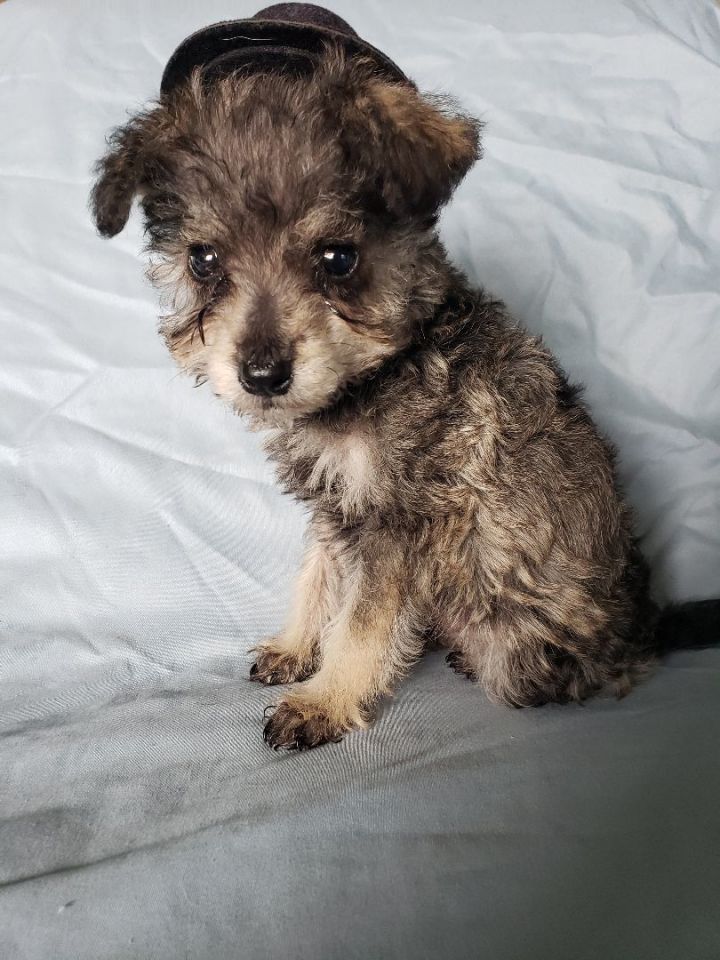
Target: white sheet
[144, 546]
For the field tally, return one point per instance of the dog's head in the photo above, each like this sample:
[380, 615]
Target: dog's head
[291, 224]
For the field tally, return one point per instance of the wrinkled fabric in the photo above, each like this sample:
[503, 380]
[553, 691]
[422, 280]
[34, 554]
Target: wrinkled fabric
[144, 546]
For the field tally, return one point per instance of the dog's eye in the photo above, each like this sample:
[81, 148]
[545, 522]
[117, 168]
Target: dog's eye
[203, 260]
[339, 260]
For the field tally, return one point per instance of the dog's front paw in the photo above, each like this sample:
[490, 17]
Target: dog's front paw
[278, 666]
[298, 727]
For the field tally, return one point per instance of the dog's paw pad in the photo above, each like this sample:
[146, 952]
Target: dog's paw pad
[458, 663]
[292, 729]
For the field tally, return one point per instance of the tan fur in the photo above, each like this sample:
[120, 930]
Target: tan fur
[346, 462]
[292, 655]
[451, 138]
[365, 646]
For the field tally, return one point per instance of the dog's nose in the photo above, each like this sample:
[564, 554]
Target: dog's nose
[269, 378]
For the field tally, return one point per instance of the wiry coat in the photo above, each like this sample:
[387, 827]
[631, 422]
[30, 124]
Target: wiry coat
[459, 490]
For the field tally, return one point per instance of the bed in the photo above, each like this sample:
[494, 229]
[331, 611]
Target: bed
[145, 547]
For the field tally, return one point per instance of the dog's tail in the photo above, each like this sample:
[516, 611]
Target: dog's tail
[688, 626]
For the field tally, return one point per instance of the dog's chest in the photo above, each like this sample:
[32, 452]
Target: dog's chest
[337, 469]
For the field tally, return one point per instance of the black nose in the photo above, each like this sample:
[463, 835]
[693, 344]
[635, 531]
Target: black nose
[269, 378]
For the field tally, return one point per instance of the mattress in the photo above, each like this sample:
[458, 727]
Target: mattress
[145, 547]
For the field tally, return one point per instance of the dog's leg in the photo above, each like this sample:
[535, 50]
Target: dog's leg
[292, 655]
[525, 660]
[368, 644]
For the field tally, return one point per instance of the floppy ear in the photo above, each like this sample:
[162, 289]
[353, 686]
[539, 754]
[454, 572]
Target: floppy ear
[416, 148]
[119, 175]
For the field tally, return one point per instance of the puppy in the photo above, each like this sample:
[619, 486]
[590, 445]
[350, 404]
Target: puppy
[459, 490]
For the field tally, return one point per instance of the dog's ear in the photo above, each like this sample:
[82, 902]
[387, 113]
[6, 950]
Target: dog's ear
[120, 173]
[415, 148]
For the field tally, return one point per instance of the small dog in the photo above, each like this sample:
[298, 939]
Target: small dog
[459, 490]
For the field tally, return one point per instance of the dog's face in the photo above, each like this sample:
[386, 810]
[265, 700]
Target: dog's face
[290, 224]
